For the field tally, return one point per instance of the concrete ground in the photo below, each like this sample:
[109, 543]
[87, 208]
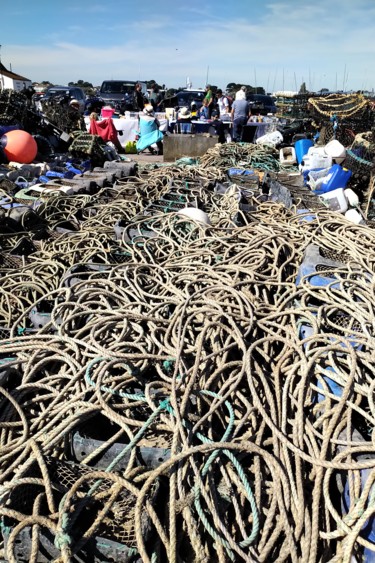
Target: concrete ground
[146, 157]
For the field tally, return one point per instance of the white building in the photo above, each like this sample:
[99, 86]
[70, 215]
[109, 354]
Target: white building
[11, 80]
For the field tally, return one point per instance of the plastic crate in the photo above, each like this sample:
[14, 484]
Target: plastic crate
[318, 266]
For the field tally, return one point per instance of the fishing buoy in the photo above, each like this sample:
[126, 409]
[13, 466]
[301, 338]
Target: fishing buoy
[19, 146]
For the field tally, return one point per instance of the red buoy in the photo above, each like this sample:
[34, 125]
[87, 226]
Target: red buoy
[19, 146]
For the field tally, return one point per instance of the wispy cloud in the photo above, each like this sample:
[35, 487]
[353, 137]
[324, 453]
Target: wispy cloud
[281, 47]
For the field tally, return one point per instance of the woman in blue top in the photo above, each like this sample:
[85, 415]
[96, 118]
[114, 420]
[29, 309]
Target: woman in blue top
[149, 133]
[204, 111]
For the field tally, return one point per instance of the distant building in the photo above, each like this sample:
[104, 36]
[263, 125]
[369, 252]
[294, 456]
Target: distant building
[11, 80]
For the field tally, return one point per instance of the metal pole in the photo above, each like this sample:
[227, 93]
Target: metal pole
[2, 78]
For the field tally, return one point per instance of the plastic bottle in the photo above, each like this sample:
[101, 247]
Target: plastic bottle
[352, 197]
[354, 216]
[315, 159]
[336, 150]
[335, 200]
[302, 147]
[337, 177]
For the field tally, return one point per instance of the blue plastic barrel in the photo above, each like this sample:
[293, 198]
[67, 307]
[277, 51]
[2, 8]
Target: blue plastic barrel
[302, 147]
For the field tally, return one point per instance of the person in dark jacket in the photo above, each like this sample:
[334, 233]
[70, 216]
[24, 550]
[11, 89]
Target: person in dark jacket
[139, 100]
[155, 98]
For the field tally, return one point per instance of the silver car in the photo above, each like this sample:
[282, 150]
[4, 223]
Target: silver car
[70, 92]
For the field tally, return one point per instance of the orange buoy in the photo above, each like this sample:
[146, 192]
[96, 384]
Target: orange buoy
[19, 146]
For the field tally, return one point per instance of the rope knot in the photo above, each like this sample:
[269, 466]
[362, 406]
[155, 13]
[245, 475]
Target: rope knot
[166, 406]
[62, 540]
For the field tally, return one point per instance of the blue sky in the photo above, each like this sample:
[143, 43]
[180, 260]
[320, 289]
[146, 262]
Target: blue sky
[276, 44]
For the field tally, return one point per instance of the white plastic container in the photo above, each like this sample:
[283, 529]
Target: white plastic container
[273, 139]
[288, 156]
[351, 197]
[335, 200]
[316, 160]
[316, 150]
[355, 216]
[336, 151]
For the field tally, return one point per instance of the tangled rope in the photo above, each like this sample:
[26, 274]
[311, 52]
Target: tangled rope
[186, 397]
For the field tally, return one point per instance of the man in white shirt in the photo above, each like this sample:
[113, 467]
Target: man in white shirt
[222, 102]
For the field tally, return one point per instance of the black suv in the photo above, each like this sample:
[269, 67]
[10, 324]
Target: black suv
[260, 103]
[184, 98]
[66, 92]
[120, 94]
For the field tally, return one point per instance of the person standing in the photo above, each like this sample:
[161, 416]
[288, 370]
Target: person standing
[204, 112]
[222, 102]
[209, 98]
[239, 115]
[139, 100]
[218, 125]
[155, 98]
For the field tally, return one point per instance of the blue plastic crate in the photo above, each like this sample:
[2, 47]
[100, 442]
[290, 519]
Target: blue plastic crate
[314, 265]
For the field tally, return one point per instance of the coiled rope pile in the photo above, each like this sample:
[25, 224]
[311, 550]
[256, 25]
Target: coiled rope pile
[201, 345]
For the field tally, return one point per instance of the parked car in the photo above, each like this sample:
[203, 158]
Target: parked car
[260, 103]
[119, 93]
[66, 93]
[184, 98]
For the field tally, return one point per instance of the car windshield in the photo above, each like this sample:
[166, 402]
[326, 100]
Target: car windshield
[117, 87]
[260, 98]
[58, 92]
[188, 97]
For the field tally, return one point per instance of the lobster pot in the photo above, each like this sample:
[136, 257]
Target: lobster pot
[361, 169]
